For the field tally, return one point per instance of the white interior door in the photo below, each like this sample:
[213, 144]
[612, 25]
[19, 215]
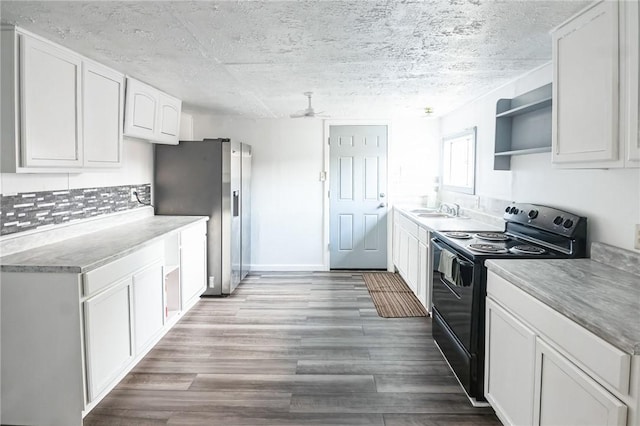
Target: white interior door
[358, 203]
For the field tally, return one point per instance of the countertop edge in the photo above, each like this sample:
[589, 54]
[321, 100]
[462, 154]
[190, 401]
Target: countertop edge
[95, 265]
[104, 261]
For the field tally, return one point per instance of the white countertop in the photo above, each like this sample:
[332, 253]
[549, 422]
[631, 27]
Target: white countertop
[602, 299]
[461, 223]
[87, 252]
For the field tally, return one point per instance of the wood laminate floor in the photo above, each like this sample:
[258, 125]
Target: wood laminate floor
[292, 349]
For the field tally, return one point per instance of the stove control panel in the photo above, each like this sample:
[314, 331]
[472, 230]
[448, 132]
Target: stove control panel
[543, 217]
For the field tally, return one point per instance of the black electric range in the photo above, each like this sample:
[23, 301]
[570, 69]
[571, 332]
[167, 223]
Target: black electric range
[459, 278]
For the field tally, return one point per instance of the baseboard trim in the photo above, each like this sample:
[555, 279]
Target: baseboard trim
[287, 268]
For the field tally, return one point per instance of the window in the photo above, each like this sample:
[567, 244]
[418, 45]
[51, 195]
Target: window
[459, 162]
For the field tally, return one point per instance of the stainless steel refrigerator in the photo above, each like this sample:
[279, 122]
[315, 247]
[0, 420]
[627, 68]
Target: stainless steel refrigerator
[211, 178]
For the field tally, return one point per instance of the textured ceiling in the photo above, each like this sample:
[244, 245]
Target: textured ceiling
[256, 58]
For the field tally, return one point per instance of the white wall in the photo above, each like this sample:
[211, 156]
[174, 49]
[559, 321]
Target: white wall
[137, 168]
[414, 158]
[287, 194]
[286, 191]
[610, 199]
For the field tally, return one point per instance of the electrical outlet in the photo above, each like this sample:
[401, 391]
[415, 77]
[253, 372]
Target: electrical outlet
[637, 239]
[132, 194]
[211, 282]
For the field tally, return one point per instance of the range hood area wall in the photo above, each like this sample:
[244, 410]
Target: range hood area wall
[610, 198]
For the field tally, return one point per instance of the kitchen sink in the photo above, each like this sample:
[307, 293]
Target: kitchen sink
[434, 214]
[424, 211]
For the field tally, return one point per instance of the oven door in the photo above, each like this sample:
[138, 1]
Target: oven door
[453, 293]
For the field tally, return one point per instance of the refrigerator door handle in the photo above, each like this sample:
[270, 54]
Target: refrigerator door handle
[236, 203]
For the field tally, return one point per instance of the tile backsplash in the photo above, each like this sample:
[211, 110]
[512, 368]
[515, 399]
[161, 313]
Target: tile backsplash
[31, 210]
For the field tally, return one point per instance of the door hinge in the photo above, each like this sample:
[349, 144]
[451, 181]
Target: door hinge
[329, 194]
[329, 141]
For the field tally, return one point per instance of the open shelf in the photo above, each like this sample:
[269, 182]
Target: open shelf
[170, 268]
[524, 151]
[523, 126]
[523, 109]
[171, 294]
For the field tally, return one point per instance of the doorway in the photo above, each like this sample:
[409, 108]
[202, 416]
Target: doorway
[358, 196]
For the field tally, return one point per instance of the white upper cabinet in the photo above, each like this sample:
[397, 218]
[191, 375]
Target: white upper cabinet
[60, 111]
[103, 103]
[595, 90]
[169, 119]
[151, 114]
[141, 110]
[585, 113]
[50, 126]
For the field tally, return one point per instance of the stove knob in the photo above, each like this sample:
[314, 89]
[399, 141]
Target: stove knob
[533, 214]
[513, 210]
[568, 223]
[558, 220]
[507, 210]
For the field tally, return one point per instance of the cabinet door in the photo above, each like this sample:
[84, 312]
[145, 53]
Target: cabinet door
[108, 336]
[148, 305]
[395, 241]
[412, 264]
[585, 89]
[193, 263]
[168, 119]
[565, 395]
[103, 95]
[423, 254]
[141, 110]
[403, 251]
[509, 366]
[50, 122]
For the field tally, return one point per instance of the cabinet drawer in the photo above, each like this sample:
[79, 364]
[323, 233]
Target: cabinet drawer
[588, 350]
[423, 236]
[100, 277]
[408, 225]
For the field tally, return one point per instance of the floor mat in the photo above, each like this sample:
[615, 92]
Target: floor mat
[392, 297]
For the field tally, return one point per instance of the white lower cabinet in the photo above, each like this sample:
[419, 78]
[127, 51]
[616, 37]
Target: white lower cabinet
[69, 339]
[566, 396]
[395, 239]
[412, 263]
[510, 359]
[423, 263]
[543, 369]
[148, 302]
[193, 263]
[108, 336]
[410, 255]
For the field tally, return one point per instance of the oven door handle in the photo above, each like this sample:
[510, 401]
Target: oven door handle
[449, 286]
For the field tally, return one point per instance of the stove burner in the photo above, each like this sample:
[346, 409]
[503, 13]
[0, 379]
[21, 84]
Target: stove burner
[487, 248]
[492, 236]
[458, 235]
[527, 249]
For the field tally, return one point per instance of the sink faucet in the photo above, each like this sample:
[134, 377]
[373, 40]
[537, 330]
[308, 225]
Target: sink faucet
[450, 209]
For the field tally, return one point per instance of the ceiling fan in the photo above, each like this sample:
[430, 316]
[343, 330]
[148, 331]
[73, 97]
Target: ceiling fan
[309, 112]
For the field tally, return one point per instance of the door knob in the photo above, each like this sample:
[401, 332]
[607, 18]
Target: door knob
[382, 195]
[382, 205]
